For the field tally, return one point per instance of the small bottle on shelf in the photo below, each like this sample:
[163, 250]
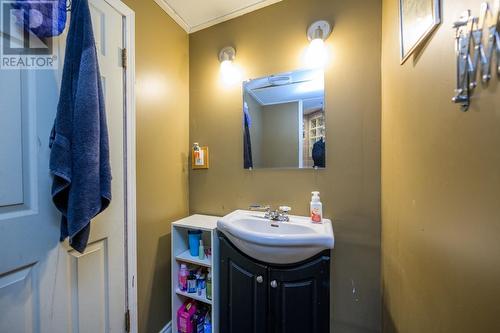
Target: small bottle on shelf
[191, 283]
[209, 285]
[207, 325]
[183, 277]
[201, 251]
[201, 281]
[198, 154]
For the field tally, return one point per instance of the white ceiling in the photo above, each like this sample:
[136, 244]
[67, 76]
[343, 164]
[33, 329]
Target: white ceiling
[305, 85]
[194, 15]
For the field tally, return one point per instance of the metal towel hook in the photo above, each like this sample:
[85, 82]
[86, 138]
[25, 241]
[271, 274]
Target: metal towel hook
[478, 58]
[462, 49]
[475, 52]
[492, 20]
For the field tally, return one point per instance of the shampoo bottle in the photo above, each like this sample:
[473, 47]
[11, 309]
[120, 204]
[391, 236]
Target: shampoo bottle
[316, 208]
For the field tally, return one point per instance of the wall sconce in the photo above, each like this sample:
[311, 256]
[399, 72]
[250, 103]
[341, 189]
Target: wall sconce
[316, 55]
[230, 73]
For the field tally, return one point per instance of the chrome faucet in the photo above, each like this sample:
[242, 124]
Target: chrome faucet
[280, 214]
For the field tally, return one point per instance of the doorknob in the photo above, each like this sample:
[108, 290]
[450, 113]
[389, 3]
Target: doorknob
[274, 284]
[260, 279]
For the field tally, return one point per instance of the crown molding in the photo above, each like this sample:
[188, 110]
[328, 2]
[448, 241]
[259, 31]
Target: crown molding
[216, 20]
[173, 14]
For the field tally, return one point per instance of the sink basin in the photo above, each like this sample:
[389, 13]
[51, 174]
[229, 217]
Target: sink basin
[276, 242]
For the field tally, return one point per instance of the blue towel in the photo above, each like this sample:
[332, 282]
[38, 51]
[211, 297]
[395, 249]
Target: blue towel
[318, 153]
[79, 159]
[45, 18]
[247, 142]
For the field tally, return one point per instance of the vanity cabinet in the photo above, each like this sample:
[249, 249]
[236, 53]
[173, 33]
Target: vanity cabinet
[243, 293]
[266, 298]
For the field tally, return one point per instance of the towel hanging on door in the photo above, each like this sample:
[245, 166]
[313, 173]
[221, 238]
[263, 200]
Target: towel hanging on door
[79, 159]
[43, 18]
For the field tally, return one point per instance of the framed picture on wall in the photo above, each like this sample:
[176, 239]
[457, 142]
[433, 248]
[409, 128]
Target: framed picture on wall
[417, 20]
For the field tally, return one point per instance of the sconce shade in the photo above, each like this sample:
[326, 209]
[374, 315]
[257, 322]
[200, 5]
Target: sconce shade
[319, 30]
[227, 54]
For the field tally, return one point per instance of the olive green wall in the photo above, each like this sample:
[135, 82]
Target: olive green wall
[440, 189]
[271, 40]
[280, 135]
[162, 88]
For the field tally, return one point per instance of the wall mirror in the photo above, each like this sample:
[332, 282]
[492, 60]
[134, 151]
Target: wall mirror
[284, 121]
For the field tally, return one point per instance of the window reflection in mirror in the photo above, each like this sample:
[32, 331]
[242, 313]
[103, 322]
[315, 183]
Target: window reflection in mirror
[284, 121]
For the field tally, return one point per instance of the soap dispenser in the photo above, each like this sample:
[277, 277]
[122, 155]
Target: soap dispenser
[316, 208]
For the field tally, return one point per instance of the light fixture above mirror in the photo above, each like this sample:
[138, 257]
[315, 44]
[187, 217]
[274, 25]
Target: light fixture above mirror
[316, 55]
[230, 73]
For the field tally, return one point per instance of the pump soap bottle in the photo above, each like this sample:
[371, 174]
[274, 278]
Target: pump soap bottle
[316, 208]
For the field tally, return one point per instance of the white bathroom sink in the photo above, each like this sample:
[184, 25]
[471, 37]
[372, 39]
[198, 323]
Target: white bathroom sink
[276, 242]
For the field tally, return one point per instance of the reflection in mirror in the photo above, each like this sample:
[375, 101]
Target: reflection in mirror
[284, 121]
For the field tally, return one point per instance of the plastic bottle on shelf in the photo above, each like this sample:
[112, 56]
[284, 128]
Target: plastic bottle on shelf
[209, 285]
[207, 326]
[183, 277]
[201, 251]
[201, 284]
[191, 283]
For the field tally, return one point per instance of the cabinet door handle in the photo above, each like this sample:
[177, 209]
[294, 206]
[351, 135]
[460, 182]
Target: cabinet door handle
[274, 284]
[260, 279]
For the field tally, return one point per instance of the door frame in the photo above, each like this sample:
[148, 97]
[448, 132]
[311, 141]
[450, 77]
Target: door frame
[130, 157]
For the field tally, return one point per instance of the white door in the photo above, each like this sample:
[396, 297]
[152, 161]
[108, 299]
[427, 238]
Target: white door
[44, 285]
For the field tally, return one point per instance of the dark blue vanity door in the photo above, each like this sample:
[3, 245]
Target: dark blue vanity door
[300, 297]
[243, 292]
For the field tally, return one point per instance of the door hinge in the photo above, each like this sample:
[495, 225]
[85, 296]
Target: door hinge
[124, 58]
[127, 321]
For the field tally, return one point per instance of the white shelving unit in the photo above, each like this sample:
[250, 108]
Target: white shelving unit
[180, 254]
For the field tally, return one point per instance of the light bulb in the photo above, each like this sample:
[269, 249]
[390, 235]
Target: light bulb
[230, 73]
[316, 55]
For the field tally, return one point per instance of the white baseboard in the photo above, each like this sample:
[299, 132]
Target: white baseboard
[167, 328]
